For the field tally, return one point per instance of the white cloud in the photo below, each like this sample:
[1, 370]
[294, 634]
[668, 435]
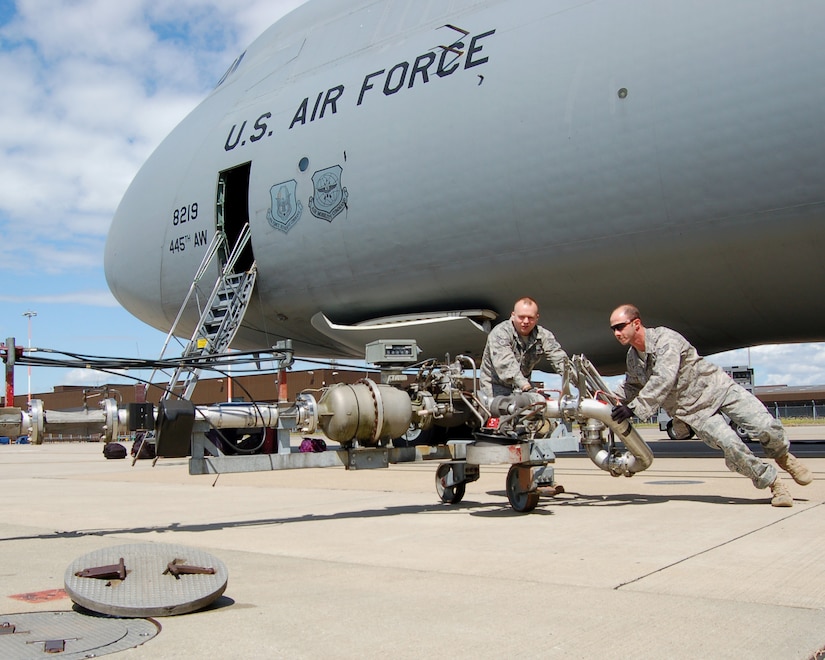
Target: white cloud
[91, 377]
[91, 87]
[91, 90]
[99, 298]
[779, 364]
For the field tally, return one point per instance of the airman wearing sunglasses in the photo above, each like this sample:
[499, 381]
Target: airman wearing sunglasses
[664, 370]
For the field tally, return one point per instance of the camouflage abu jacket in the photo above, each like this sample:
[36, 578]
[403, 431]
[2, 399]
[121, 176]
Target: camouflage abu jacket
[672, 375]
[509, 358]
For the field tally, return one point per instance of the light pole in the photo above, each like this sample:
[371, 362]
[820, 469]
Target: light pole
[29, 314]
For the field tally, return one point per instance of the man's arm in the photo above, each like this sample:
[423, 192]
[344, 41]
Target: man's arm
[624, 392]
[662, 379]
[505, 365]
[554, 353]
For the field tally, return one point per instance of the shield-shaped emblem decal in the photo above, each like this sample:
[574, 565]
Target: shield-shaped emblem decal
[330, 196]
[285, 209]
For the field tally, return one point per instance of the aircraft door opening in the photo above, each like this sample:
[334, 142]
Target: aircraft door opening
[233, 211]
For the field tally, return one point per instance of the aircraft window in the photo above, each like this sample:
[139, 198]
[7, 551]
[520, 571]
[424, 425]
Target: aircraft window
[303, 164]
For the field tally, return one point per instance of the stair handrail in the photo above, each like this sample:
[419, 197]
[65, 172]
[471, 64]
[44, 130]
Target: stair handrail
[190, 350]
[212, 249]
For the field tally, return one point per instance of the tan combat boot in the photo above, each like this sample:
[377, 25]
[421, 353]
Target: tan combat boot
[794, 467]
[781, 494]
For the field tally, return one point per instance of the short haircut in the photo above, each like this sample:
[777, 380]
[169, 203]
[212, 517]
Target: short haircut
[631, 312]
[526, 299]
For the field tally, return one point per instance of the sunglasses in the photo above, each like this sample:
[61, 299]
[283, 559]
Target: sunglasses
[621, 326]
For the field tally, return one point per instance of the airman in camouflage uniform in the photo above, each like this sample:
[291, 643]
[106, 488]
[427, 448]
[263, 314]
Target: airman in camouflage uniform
[514, 347]
[664, 370]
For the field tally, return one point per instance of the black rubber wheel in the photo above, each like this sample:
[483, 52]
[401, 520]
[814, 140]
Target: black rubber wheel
[448, 494]
[519, 480]
[738, 430]
[672, 434]
[414, 435]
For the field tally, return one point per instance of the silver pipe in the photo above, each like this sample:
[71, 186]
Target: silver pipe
[109, 418]
[471, 408]
[467, 358]
[238, 416]
[38, 421]
[638, 456]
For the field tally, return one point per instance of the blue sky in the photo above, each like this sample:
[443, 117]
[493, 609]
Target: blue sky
[90, 87]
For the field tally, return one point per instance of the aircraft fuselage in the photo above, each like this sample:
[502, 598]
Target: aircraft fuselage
[399, 158]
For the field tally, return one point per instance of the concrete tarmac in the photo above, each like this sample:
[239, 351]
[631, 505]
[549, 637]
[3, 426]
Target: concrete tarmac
[684, 560]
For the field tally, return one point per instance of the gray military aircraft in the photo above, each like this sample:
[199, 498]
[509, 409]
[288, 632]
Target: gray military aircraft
[408, 169]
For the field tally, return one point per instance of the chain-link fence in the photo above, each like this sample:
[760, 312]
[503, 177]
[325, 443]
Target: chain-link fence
[787, 410]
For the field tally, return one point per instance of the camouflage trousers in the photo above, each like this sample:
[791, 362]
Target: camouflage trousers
[746, 411]
[500, 390]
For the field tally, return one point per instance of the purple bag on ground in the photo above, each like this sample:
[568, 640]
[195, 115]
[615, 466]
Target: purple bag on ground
[312, 445]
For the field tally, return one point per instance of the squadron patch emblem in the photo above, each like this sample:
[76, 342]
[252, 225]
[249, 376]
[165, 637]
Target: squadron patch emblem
[286, 209]
[330, 196]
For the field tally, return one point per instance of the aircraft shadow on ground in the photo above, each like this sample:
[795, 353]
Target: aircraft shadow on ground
[484, 509]
[569, 498]
[490, 508]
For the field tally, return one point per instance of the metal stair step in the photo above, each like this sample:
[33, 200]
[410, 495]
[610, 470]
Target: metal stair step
[223, 315]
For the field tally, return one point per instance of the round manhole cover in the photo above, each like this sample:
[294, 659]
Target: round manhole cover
[70, 635]
[153, 579]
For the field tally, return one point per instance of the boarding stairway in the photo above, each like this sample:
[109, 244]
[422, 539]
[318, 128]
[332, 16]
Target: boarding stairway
[221, 315]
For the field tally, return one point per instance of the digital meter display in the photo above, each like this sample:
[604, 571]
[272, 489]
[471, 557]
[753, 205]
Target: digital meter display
[392, 352]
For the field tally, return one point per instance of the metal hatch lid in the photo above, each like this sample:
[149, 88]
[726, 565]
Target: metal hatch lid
[70, 635]
[149, 587]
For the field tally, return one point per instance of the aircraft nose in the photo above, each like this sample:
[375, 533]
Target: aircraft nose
[150, 257]
[133, 254]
